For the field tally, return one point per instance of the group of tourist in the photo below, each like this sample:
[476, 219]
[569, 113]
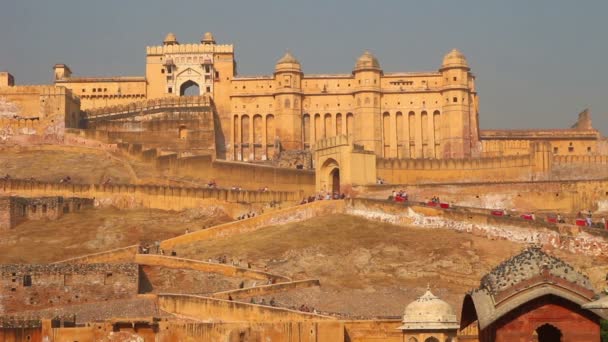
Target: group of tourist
[306, 308]
[223, 259]
[246, 216]
[398, 196]
[271, 302]
[381, 181]
[435, 199]
[212, 184]
[588, 217]
[323, 196]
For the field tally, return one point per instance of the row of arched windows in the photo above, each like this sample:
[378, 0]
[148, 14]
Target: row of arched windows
[254, 136]
[319, 126]
[411, 135]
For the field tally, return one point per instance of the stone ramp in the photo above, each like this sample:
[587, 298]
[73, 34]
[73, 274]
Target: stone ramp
[265, 290]
[197, 265]
[287, 215]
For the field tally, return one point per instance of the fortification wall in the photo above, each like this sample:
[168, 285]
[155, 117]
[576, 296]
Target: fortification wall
[568, 238]
[148, 196]
[580, 167]
[265, 290]
[493, 169]
[15, 210]
[555, 196]
[36, 113]
[291, 214]
[113, 256]
[197, 265]
[212, 309]
[376, 330]
[26, 287]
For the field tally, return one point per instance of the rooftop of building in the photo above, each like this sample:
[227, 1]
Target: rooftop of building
[428, 312]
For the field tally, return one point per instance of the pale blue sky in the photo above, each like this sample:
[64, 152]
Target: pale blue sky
[538, 63]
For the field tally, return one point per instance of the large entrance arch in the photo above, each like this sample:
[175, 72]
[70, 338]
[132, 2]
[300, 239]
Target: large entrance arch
[330, 176]
[189, 88]
[548, 333]
[335, 181]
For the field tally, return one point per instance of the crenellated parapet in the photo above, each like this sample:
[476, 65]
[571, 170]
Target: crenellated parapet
[152, 104]
[189, 48]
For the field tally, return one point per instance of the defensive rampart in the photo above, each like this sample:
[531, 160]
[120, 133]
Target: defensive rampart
[266, 290]
[556, 196]
[292, 214]
[535, 165]
[227, 270]
[212, 309]
[149, 196]
[569, 238]
[580, 167]
[118, 255]
[204, 167]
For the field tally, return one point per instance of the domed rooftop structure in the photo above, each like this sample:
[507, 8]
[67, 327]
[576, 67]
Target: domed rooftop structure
[367, 61]
[288, 62]
[454, 59]
[208, 38]
[170, 39]
[428, 312]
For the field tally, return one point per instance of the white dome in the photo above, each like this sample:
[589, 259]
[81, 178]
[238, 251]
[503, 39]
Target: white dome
[429, 312]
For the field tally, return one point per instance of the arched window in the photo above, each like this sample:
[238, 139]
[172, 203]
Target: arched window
[431, 339]
[412, 339]
[287, 103]
[437, 132]
[328, 126]
[399, 133]
[350, 122]
[258, 130]
[235, 133]
[270, 130]
[339, 124]
[318, 127]
[386, 135]
[411, 122]
[306, 129]
[245, 128]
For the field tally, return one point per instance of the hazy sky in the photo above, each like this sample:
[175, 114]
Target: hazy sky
[538, 63]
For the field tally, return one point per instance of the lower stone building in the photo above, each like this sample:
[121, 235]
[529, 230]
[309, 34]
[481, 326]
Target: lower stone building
[36, 286]
[15, 210]
[533, 297]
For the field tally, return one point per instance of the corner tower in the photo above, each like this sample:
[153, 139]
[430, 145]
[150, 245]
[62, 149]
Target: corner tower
[460, 133]
[288, 101]
[367, 123]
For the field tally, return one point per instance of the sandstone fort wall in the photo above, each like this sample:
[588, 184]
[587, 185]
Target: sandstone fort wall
[556, 196]
[26, 287]
[292, 214]
[205, 308]
[149, 196]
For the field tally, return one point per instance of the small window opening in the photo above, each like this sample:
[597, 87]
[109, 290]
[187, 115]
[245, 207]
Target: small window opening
[27, 280]
[170, 90]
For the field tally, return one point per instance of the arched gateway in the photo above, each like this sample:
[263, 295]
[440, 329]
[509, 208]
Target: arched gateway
[340, 164]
